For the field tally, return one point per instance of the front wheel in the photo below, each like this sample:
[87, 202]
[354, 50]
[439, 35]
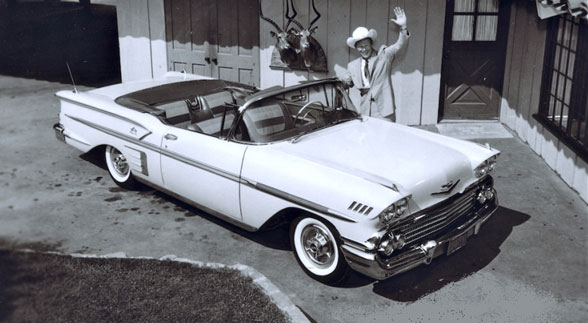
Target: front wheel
[119, 169]
[316, 250]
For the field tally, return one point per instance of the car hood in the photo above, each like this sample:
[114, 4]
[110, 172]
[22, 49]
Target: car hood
[405, 159]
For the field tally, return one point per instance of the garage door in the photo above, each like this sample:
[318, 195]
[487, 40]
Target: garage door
[214, 38]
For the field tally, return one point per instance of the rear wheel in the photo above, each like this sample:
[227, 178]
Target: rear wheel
[119, 169]
[317, 250]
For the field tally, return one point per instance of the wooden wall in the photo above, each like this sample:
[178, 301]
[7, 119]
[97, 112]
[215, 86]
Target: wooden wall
[522, 85]
[416, 76]
[141, 30]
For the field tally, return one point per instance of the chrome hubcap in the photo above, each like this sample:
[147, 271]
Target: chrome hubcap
[317, 245]
[119, 162]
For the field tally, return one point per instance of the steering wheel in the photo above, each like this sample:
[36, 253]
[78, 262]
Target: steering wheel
[306, 106]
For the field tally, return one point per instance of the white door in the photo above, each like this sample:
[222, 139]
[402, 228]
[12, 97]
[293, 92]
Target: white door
[203, 168]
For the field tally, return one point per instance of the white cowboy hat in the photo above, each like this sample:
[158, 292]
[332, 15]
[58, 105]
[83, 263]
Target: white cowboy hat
[361, 33]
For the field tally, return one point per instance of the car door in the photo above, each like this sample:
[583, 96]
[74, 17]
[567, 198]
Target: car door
[203, 168]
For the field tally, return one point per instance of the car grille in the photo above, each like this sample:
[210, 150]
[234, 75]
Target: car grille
[438, 219]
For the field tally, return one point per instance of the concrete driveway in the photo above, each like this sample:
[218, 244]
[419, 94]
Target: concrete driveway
[527, 265]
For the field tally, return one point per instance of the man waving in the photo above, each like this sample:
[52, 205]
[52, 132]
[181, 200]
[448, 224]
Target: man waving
[370, 73]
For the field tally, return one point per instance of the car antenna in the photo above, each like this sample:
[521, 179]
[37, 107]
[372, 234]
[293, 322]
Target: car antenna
[71, 76]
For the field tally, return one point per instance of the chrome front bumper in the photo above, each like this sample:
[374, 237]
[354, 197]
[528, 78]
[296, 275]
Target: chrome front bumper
[370, 264]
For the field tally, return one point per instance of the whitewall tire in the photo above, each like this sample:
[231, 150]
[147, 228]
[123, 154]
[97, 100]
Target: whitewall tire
[317, 250]
[118, 168]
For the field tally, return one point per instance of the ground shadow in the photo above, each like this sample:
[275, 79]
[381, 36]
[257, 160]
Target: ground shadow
[408, 287]
[477, 254]
[37, 39]
[274, 237]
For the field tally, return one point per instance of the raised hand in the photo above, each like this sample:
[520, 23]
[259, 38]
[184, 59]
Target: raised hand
[400, 17]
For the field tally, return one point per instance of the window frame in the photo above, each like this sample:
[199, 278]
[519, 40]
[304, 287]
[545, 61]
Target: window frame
[550, 97]
[475, 15]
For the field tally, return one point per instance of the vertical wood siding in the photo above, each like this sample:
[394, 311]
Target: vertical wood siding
[522, 85]
[416, 75]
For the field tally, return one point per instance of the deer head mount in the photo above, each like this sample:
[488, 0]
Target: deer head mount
[287, 43]
[297, 48]
[308, 45]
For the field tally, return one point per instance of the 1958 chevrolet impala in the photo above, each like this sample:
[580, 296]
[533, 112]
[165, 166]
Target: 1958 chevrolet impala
[357, 192]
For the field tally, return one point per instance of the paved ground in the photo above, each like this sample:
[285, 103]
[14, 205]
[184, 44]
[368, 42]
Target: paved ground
[527, 265]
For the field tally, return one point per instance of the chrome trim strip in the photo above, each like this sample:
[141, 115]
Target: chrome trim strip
[296, 200]
[205, 167]
[157, 149]
[261, 187]
[114, 115]
[116, 133]
[142, 160]
[201, 207]
[76, 140]
[354, 244]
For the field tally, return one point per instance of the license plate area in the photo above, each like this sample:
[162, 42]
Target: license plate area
[457, 242]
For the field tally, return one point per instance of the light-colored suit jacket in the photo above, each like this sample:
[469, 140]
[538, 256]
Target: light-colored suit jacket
[379, 100]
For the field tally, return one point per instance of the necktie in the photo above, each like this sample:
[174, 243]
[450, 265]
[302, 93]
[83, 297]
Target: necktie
[366, 69]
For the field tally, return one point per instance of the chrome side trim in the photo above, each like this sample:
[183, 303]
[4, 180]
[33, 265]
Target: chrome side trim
[114, 133]
[157, 149]
[360, 208]
[230, 176]
[138, 161]
[354, 244]
[199, 206]
[110, 114]
[197, 164]
[296, 200]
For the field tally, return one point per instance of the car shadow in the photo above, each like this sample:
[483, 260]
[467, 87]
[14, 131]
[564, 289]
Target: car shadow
[275, 238]
[475, 255]
[407, 287]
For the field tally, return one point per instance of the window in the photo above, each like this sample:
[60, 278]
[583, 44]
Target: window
[475, 20]
[564, 91]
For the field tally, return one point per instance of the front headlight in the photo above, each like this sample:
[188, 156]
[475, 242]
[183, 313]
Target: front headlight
[390, 242]
[394, 211]
[486, 167]
[486, 192]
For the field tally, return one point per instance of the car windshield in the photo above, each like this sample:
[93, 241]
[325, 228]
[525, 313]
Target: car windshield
[293, 114]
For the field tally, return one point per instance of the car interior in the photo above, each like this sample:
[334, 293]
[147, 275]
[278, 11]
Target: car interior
[205, 113]
[271, 119]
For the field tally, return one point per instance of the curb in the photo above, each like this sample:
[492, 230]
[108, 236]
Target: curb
[280, 299]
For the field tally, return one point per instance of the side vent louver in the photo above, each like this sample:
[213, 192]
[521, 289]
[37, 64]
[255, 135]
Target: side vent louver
[360, 208]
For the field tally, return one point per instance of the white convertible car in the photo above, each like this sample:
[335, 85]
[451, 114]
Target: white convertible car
[359, 192]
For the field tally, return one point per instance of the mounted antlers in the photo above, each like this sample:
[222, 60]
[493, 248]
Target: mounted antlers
[296, 46]
[308, 45]
[287, 43]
